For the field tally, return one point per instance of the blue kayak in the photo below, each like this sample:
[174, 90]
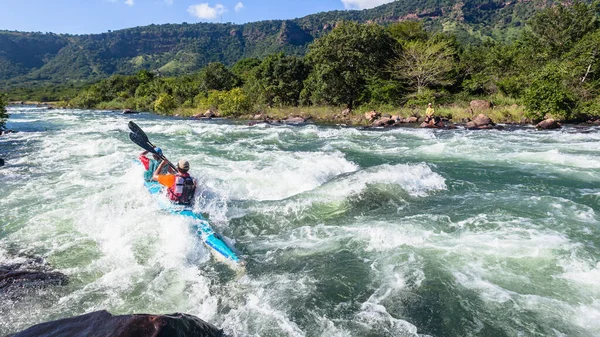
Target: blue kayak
[200, 227]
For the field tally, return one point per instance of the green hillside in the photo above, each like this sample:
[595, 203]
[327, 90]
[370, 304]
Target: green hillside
[174, 49]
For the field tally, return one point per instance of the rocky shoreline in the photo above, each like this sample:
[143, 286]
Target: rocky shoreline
[373, 119]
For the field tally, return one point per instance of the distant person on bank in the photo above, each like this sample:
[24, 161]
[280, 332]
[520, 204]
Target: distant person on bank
[429, 113]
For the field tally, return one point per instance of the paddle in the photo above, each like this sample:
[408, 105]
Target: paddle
[139, 137]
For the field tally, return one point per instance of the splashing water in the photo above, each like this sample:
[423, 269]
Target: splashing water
[346, 232]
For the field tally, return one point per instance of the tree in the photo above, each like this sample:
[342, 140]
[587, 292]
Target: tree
[408, 30]
[423, 64]
[215, 76]
[554, 30]
[344, 59]
[279, 79]
[243, 68]
[548, 94]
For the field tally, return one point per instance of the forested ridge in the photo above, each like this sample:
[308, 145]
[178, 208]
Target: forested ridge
[551, 70]
[28, 59]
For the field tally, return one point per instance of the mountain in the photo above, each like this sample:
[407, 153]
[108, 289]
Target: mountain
[172, 49]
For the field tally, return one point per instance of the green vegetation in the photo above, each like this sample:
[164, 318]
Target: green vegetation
[34, 59]
[397, 69]
[551, 68]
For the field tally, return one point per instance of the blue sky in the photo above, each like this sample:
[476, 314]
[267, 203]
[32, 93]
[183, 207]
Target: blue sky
[96, 16]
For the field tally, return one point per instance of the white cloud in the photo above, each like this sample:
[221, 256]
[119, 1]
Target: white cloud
[204, 11]
[129, 2]
[362, 4]
[239, 7]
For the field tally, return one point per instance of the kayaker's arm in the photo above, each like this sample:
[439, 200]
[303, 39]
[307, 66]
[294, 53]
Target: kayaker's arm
[159, 170]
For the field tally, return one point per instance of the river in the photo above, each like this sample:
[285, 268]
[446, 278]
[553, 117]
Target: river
[346, 232]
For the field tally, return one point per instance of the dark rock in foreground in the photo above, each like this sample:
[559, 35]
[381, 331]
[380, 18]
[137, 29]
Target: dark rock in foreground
[103, 324]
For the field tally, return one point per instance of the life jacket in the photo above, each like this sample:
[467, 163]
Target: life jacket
[182, 191]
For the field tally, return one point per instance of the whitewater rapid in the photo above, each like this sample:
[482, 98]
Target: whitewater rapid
[346, 232]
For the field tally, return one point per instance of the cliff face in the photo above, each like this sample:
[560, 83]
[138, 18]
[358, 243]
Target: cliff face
[36, 58]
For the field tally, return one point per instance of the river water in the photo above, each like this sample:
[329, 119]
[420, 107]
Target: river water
[346, 232]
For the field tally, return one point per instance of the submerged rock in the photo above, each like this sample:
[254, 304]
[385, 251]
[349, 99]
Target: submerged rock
[102, 323]
[19, 276]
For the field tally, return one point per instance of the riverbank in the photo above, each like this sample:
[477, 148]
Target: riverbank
[447, 116]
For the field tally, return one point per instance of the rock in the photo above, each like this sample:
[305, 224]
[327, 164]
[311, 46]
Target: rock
[386, 115]
[480, 105]
[548, 124]
[372, 116]
[346, 112]
[412, 119]
[102, 323]
[259, 117]
[383, 122]
[209, 114]
[129, 112]
[1, 162]
[471, 125]
[294, 120]
[483, 120]
[28, 275]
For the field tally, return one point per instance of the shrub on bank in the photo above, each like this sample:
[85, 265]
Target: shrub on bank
[234, 102]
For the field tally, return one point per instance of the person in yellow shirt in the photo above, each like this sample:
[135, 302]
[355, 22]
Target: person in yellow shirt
[429, 112]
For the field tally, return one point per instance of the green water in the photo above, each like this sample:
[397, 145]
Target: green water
[345, 232]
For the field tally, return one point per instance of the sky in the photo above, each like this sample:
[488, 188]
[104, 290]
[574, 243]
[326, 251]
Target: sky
[98, 16]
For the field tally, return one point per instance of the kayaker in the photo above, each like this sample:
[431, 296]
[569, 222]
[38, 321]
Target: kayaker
[184, 186]
[150, 165]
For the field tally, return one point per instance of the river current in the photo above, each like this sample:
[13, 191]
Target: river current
[346, 232]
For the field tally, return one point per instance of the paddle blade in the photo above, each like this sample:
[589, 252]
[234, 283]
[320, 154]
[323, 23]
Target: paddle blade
[137, 130]
[141, 142]
[167, 180]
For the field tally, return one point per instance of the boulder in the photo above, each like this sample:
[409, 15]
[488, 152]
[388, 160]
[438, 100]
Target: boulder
[548, 124]
[412, 119]
[386, 115]
[346, 112]
[102, 323]
[209, 114]
[1, 162]
[385, 121]
[372, 116]
[483, 120]
[480, 105]
[433, 125]
[294, 120]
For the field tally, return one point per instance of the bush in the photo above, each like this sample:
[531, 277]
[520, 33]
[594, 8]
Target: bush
[548, 95]
[165, 103]
[421, 99]
[229, 103]
[235, 102]
[211, 101]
